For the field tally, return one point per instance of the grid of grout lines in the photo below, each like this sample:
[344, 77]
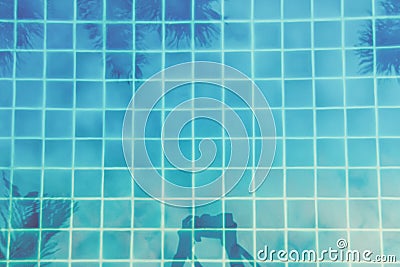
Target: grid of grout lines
[336, 166]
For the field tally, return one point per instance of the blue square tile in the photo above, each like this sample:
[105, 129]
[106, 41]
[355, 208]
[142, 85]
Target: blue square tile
[176, 10]
[297, 35]
[361, 122]
[28, 153]
[240, 60]
[113, 123]
[362, 152]
[207, 36]
[89, 36]
[27, 181]
[58, 123]
[57, 183]
[388, 149]
[59, 36]
[25, 206]
[296, 9]
[332, 214]
[363, 214]
[116, 244]
[235, 10]
[363, 183]
[388, 92]
[299, 153]
[89, 123]
[119, 65]
[87, 183]
[147, 65]
[28, 123]
[242, 209]
[267, 65]
[7, 10]
[353, 62]
[6, 35]
[58, 153]
[55, 213]
[90, 10]
[388, 122]
[237, 36]
[60, 65]
[329, 93]
[117, 183]
[6, 125]
[301, 214]
[172, 59]
[119, 10]
[299, 123]
[330, 123]
[333, 69]
[29, 65]
[60, 10]
[331, 183]
[89, 65]
[6, 93]
[118, 95]
[298, 93]
[117, 214]
[15, 245]
[272, 91]
[29, 94]
[352, 30]
[59, 94]
[62, 241]
[30, 9]
[299, 183]
[298, 64]
[330, 152]
[178, 36]
[114, 156]
[142, 239]
[384, 36]
[147, 214]
[360, 92]
[88, 153]
[267, 35]
[119, 37]
[146, 12]
[88, 214]
[267, 9]
[85, 244]
[148, 37]
[89, 94]
[327, 8]
[327, 34]
[357, 8]
[273, 207]
[30, 35]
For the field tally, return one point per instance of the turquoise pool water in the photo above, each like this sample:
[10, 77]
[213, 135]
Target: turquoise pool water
[329, 70]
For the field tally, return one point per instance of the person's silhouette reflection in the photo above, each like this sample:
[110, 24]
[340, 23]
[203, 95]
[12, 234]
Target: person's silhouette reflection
[207, 226]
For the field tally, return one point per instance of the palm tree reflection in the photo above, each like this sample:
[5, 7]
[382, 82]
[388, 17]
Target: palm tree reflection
[387, 36]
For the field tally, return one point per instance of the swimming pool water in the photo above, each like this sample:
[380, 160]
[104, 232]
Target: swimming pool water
[329, 70]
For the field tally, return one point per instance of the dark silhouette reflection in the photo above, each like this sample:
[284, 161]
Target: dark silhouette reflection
[25, 217]
[387, 35]
[207, 226]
